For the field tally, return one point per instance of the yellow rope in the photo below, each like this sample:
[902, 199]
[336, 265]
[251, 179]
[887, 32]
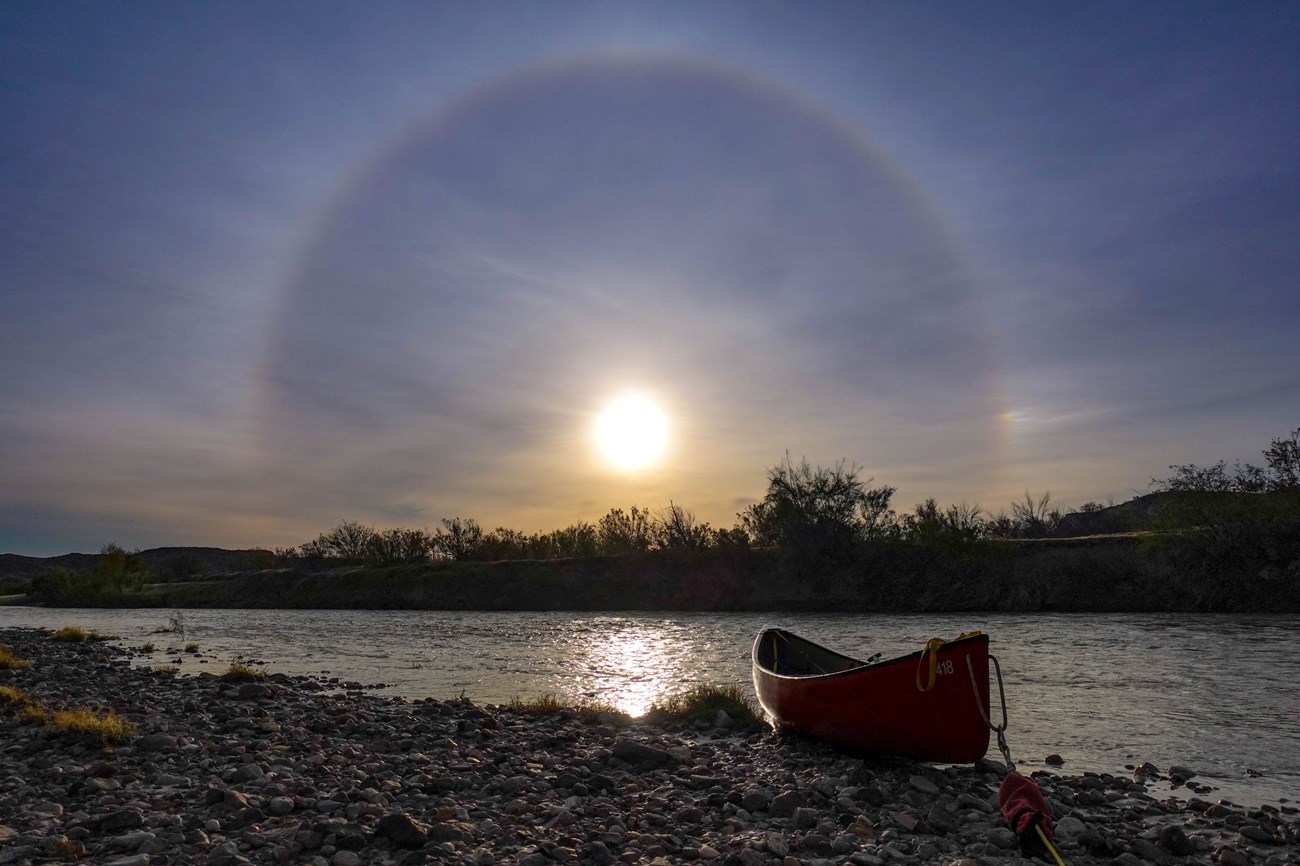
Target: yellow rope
[931, 649]
[1043, 836]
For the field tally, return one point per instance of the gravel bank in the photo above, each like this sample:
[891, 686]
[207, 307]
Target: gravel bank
[284, 771]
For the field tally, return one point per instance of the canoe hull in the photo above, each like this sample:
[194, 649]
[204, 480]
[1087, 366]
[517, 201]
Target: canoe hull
[878, 707]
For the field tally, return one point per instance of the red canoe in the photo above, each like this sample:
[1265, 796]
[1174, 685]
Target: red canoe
[922, 705]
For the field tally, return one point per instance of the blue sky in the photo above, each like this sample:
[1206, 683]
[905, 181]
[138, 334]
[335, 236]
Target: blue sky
[266, 267]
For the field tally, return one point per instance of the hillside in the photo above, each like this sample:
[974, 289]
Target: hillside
[170, 562]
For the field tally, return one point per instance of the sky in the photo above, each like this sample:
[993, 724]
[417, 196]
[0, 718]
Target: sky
[269, 267]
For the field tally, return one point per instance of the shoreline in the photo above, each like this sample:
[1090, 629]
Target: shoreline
[284, 771]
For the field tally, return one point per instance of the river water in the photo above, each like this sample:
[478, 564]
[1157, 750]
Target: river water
[1215, 693]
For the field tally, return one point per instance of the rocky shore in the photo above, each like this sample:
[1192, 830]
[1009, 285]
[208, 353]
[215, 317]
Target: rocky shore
[292, 770]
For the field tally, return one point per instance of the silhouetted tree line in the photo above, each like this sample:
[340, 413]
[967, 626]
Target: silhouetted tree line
[819, 515]
[811, 512]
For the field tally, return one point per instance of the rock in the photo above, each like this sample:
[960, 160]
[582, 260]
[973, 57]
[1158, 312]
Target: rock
[1175, 841]
[136, 860]
[347, 858]
[234, 799]
[226, 854]
[401, 830]
[724, 721]
[1003, 837]
[156, 743]
[784, 804]
[1054, 760]
[71, 849]
[252, 692]
[924, 785]
[777, 844]
[1230, 857]
[1255, 833]
[1145, 770]
[122, 819]
[756, 799]
[1180, 774]
[1069, 827]
[598, 853]
[247, 773]
[641, 753]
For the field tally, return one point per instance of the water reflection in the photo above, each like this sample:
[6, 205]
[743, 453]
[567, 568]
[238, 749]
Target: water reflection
[629, 665]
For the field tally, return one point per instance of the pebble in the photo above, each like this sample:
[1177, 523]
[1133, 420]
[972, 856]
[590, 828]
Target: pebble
[290, 772]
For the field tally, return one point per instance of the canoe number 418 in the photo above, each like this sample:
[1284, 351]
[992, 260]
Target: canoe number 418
[943, 667]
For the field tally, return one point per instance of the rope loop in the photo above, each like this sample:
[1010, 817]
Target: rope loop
[1000, 730]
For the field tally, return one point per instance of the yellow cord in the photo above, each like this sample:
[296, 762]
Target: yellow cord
[1052, 850]
[932, 650]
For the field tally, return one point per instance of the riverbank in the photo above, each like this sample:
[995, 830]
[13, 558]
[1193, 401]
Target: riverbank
[289, 769]
[1103, 574]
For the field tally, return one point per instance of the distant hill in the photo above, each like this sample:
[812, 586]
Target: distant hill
[1176, 508]
[172, 562]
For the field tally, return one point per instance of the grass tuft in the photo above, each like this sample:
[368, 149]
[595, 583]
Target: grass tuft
[148, 648]
[33, 714]
[238, 672]
[9, 661]
[191, 648]
[103, 730]
[15, 697]
[549, 703]
[75, 633]
[168, 669]
[704, 702]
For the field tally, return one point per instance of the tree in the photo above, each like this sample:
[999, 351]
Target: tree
[625, 532]
[401, 546]
[459, 539]
[348, 541]
[1283, 458]
[122, 569]
[578, 539]
[961, 522]
[817, 508]
[502, 543]
[1033, 518]
[676, 528]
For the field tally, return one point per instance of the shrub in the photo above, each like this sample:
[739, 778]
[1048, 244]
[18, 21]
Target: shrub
[148, 648]
[191, 648]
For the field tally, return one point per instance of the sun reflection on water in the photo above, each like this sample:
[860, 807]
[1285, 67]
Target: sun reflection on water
[630, 667]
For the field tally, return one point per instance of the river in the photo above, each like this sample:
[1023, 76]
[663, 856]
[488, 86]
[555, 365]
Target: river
[1216, 693]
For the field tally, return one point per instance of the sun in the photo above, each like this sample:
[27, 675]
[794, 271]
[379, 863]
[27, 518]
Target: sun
[632, 432]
